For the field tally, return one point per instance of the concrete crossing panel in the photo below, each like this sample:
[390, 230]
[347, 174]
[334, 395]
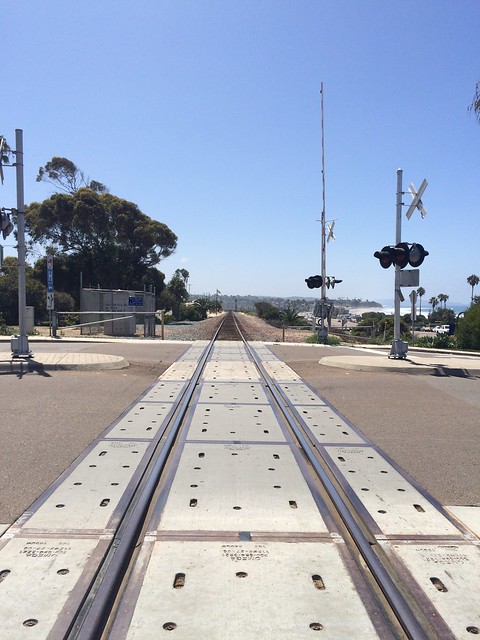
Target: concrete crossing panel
[327, 426]
[234, 392]
[235, 422]
[144, 420]
[248, 590]
[229, 371]
[390, 499]
[240, 487]
[88, 498]
[448, 576]
[37, 578]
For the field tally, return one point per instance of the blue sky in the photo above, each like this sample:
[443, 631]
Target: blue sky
[206, 113]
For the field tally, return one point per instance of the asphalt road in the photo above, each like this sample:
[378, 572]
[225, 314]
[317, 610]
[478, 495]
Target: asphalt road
[47, 419]
[429, 425]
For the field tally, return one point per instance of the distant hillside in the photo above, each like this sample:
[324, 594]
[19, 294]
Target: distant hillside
[247, 303]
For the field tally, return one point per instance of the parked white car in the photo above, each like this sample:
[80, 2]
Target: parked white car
[443, 328]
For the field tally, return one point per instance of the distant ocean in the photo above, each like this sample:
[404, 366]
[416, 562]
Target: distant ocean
[457, 307]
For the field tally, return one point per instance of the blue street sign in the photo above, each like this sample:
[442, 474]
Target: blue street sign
[135, 301]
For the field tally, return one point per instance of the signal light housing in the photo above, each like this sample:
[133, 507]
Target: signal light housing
[314, 282]
[401, 254]
[385, 257]
[6, 225]
[416, 255]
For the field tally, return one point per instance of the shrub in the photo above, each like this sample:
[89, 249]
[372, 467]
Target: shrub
[468, 329]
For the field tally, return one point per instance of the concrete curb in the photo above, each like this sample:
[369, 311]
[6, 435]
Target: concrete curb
[63, 362]
[441, 366]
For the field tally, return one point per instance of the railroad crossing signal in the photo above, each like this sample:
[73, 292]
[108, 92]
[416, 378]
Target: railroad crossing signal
[331, 281]
[6, 225]
[417, 203]
[314, 282]
[401, 254]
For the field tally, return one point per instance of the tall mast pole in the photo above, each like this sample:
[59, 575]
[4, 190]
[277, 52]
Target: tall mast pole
[323, 266]
[323, 329]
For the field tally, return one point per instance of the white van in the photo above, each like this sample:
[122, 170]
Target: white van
[443, 328]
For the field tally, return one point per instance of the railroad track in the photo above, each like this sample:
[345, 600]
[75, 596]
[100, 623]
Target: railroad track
[232, 501]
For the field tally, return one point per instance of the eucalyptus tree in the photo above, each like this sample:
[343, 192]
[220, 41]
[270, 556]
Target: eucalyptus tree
[67, 177]
[108, 239]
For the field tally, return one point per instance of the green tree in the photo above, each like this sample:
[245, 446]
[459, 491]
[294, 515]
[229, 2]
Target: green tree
[420, 293]
[203, 306]
[475, 106]
[433, 303]
[175, 293]
[468, 329]
[290, 317]
[66, 176]
[109, 240]
[36, 293]
[442, 297]
[473, 280]
[267, 311]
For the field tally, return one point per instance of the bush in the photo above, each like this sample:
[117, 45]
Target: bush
[190, 312]
[468, 329]
[440, 341]
[333, 341]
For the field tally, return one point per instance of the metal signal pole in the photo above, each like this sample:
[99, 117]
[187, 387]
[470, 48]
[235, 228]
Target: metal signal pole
[19, 343]
[323, 332]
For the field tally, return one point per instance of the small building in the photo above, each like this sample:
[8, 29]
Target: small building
[127, 308]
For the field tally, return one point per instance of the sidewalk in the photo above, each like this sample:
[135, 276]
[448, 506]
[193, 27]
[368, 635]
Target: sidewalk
[417, 362]
[61, 361]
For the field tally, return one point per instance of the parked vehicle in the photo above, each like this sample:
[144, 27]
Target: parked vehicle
[443, 328]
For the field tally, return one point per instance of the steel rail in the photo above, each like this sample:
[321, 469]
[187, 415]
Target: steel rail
[399, 605]
[92, 616]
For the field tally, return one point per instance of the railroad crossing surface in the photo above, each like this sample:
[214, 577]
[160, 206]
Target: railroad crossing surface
[240, 539]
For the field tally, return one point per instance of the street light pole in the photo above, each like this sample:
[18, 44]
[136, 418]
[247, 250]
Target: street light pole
[19, 343]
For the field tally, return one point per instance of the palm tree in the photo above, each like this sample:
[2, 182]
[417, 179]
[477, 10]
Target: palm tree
[442, 297]
[290, 316]
[420, 293]
[433, 302]
[473, 280]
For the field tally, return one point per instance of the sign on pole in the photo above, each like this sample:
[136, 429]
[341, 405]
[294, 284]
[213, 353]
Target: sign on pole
[50, 293]
[417, 203]
[413, 300]
[50, 300]
[409, 278]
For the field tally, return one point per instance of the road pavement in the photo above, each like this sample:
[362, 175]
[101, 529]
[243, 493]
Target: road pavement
[48, 416]
[429, 424]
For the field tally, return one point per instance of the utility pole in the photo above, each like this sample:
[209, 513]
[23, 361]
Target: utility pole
[19, 343]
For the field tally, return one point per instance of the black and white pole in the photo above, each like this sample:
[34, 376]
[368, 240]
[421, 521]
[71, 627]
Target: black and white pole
[19, 343]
